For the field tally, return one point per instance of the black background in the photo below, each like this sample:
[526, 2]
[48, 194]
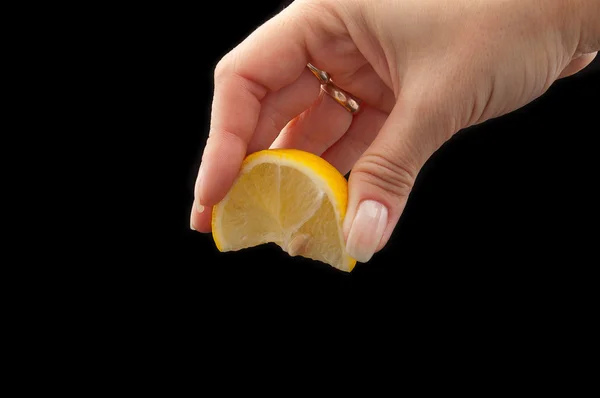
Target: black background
[505, 211]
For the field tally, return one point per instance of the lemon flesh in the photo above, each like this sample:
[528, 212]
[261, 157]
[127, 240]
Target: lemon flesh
[288, 197]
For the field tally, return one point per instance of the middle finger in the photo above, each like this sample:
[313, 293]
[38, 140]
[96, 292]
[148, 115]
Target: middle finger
[317, 128]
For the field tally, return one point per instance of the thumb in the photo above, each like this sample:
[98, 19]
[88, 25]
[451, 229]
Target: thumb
[382, 179]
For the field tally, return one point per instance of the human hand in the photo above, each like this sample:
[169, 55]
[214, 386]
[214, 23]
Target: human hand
[422, 69]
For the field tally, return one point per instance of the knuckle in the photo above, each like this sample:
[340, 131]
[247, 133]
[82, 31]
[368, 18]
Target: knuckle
[391, 175]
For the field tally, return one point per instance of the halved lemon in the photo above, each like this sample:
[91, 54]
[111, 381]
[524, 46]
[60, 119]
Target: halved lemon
[289, 197]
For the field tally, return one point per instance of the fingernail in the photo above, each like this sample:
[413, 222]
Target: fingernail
[197, 208]
[366, 230]
[192, 222]
[198, 187]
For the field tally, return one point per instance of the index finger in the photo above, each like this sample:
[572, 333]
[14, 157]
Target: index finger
[271, 58]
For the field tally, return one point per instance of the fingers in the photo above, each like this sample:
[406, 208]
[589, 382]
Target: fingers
[577, 64]
[200, 217]
[347, 150]
[280, 107]
[381, 181]
[317, 128]
[272, 57]
[373, 88]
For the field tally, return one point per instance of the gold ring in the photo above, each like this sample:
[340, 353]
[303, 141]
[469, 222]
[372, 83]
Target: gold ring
[340, 96]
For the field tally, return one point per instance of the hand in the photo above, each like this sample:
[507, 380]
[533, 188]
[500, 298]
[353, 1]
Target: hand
[423, 69]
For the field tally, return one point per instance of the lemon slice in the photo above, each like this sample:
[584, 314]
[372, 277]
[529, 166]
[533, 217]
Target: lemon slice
[289, 197]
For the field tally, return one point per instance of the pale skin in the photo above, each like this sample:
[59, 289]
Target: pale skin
[424, 69]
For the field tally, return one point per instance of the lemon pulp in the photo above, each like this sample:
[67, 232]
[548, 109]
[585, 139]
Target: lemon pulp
[292, 198]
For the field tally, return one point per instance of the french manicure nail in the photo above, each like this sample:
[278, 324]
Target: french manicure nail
[199, 207]
[366, 230]
[198, 185]
[192, 222]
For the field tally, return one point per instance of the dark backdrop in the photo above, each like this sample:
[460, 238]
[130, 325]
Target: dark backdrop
[505, 209]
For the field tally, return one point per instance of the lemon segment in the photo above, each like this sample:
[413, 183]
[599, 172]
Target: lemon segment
[289, 197]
